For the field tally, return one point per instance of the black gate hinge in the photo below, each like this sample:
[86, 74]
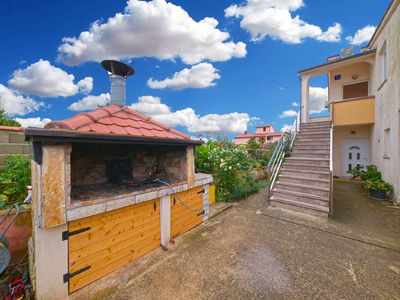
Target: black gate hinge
[66, 234]
[202, 213]
[202, 191]
[68, 276]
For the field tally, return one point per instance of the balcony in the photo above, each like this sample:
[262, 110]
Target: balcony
[356, 111]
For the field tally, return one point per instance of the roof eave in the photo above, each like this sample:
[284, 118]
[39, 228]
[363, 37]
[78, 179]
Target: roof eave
[331, 63]
[48, 135]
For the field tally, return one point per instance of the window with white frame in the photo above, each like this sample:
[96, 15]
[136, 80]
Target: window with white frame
[383, 62]
[386, 143]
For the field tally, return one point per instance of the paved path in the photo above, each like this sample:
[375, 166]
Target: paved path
[240, 254]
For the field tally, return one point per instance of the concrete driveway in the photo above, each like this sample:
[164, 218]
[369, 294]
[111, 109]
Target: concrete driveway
[242, 254]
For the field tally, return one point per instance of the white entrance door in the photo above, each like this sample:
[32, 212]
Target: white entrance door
[356, 152]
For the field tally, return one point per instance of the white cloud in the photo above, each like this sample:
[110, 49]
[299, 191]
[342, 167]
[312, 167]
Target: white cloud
[288, 114]
[362, 35]
[151, 29]
[211, 124]
[318, 97]
[286, 127]
[33, 122]
[85, 85]
[44, 80]
[90, 102]
[333, 34]
[15, 104]
[198, 76]
[295, 104]
[273, 18]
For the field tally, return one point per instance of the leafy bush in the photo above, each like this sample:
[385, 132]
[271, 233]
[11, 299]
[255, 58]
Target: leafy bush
[377, 184]
[14, 179]
[6, 121]
[225, 160]
[357, 171]
[371, 173]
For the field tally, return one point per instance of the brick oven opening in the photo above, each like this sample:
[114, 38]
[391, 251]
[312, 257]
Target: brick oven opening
[107, 171]
[118, 170]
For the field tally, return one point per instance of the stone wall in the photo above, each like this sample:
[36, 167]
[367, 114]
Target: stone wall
[12, 142]
[88, 162]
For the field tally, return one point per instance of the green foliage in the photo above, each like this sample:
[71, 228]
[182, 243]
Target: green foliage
[377, 184]
[225, 161]
[7, 121]
[371, 173]
[357, 171]
[14, 179]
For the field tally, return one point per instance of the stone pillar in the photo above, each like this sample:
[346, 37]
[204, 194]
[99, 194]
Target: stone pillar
[190, 165]
[206, 205]
[50, 193]
[304, 106]
[165, 221]
[56, 184]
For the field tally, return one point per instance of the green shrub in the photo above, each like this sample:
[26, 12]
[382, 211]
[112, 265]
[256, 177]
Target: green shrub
[377, 184]
[371, 173]
[226, 161]
[7, 121]
[357, 171]
[14, 179]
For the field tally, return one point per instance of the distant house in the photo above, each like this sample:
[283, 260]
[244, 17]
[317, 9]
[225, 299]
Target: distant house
[263, 132]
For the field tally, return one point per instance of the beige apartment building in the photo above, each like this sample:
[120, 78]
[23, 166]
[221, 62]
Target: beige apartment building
[364, 102]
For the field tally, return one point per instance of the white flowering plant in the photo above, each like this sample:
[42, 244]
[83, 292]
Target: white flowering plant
[225, 161]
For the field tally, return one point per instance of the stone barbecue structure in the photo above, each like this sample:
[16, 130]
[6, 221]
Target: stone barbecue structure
[96, 203]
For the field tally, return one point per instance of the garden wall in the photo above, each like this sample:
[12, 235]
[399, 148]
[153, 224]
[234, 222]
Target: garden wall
[12, 141]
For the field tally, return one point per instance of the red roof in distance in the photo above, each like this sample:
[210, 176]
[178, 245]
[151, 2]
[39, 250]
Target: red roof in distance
[259, 134]
[117, 120]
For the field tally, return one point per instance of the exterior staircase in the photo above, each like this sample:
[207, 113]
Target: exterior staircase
[304, 180]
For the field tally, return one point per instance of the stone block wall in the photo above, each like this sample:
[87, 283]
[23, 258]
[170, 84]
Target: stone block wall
[88, 162]
[12, 142]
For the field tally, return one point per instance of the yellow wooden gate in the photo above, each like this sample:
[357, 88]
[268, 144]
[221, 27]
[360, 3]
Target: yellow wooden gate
[100, 244]
[183, 219]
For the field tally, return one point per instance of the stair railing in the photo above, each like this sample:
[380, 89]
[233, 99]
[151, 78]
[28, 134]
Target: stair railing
[331, 171]
[283, 147]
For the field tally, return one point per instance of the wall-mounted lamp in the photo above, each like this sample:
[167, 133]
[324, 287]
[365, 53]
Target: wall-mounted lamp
[354, 77]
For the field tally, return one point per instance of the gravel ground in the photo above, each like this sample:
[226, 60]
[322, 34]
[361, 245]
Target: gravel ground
[244, 254]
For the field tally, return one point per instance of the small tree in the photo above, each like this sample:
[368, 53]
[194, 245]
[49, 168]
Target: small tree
[6, 120]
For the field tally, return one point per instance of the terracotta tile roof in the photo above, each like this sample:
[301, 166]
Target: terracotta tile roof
[117, 120]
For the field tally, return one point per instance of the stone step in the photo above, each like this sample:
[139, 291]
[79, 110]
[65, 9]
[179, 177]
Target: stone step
[316, 124]
[305, 167]
[312, 139]
[301, 196]
[306, 173]
[302, 188]
[312, 143]
[311, 148]
[304, 180]
[306, 200]
[309, 161]
[315, 128]
[299, 206]
[313, 133]
[310, 154]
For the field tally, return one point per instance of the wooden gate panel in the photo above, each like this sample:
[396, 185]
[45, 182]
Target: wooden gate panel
[114, 239]
[183, 219]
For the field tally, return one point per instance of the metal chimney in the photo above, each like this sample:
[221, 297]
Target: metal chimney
[118, 72]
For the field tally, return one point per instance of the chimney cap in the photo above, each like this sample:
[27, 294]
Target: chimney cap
[117, 68]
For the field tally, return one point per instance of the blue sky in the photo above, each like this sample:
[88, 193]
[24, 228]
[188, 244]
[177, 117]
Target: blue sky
[240, 73]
